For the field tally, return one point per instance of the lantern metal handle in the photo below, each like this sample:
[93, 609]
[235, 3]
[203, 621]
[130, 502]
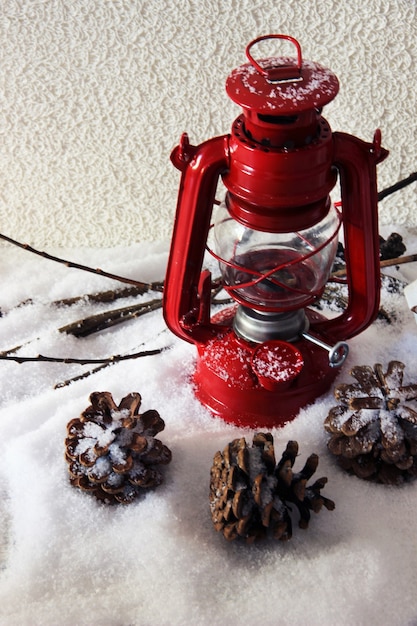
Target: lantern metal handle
[187, 289]
[277, 72]
[356, 161]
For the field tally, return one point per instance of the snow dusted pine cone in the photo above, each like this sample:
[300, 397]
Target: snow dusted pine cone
[372, 432]
[250, 493]
[111, 450]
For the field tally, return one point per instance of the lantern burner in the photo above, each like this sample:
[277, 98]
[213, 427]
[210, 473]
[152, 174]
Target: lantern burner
[259, 326]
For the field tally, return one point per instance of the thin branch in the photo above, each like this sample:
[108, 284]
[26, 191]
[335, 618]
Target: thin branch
[397, 186]
[410, 258]
[111, 295]
[94, 370]
[5, 353]
[78, 266]
[101, 321]
[74, 379]
[67, 360]
[95, 323]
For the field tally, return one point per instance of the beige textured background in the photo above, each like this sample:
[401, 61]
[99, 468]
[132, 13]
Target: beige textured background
[94, 94]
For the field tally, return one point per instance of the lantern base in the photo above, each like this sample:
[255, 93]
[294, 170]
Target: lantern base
[226, 384]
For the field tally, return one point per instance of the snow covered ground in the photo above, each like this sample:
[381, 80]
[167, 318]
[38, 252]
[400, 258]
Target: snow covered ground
[67, 559]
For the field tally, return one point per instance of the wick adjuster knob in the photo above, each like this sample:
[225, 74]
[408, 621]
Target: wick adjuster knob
[276, 364]
[337, 353]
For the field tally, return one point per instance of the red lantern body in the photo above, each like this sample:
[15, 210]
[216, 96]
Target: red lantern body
[260, 361]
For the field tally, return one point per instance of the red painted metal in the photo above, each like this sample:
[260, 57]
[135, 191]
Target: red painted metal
[279, 71]
[225, 380]
[225, 383]
[281, 85]
[279, 165]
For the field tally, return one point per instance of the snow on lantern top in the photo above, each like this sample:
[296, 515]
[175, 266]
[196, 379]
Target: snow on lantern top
[281, 85]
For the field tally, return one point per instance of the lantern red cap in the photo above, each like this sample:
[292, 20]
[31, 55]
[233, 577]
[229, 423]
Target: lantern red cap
[281, 85]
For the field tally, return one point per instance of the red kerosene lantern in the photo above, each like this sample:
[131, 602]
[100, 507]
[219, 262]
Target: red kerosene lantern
[275, 238]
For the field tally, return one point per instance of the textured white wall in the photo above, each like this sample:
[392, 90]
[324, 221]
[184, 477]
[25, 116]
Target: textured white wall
[94, 94]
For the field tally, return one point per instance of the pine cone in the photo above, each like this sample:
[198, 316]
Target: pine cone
[111, 450]
[250, 494]
[392, 247]
[373, 433]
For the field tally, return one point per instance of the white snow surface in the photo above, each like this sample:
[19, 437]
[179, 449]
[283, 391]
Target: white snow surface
[67, 559]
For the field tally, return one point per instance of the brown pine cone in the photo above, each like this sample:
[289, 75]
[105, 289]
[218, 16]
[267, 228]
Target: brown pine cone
[111, 450]
[373, 433]
[250, 494]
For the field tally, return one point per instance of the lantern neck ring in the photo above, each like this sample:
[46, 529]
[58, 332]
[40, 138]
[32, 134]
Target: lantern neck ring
[260, 326]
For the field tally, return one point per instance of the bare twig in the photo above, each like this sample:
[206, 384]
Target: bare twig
[78, 266]
[101, 321]
[397, 186]
[410, 258]
[74, 379]
[41, 358]
[95, 323]
[5, 353]
[110, 295]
